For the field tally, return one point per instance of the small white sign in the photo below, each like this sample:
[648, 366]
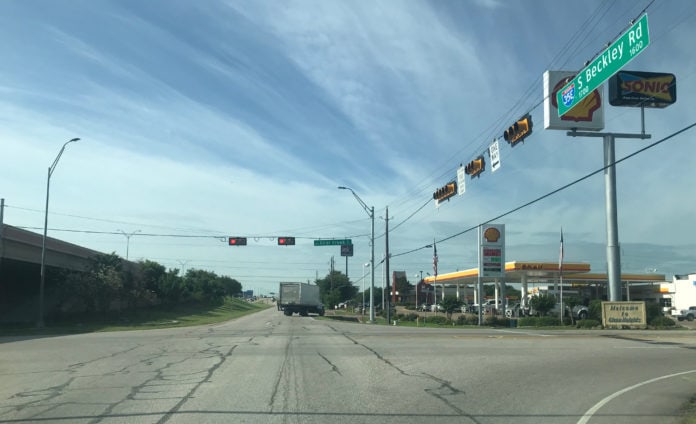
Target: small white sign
[494, 153]
[461, 180]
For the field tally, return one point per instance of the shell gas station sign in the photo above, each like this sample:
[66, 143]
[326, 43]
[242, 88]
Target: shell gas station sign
[492, 251]
[587, 115]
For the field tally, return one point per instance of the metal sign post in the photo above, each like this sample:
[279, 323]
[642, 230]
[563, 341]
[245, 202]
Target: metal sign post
[613, 257]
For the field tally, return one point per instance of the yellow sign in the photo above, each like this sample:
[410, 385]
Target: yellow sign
[624, 314]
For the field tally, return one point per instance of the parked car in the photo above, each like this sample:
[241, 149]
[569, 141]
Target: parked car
[436, 308]
[488, 306]
[514, 310]
[685, 314]
[424, 307]
[578, 311]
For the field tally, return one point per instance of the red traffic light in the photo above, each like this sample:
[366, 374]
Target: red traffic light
[237, 241]
[286, 241]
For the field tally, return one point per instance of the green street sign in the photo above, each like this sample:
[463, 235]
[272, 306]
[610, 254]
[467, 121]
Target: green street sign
[604, 66]
[332, 242]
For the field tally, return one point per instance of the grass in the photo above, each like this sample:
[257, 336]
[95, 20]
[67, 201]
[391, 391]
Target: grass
[689, 411]
[141, 319]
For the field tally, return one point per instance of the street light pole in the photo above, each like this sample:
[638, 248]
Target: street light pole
[362, 306]
[128, 236]
[40, 321]
[371, 213]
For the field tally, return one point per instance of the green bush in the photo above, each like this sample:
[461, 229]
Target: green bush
[662, 322]
[595, 310]
[539, 322]
[407, 317]
[496, 321]
[438, 320]
[588, 323]
[467, 319]
[652, 310]
[549, 321]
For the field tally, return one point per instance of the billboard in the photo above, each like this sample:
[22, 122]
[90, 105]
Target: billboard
[646, 89]
[587, 115]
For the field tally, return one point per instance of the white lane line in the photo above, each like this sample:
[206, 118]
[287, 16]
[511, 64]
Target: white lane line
[590, 412]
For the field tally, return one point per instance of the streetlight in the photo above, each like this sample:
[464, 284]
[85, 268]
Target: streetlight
[128, 236]
[362, 307]
[417, 284]
[40, 322]
[371, 213]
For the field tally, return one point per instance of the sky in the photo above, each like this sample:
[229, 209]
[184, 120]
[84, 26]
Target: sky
[204, 120]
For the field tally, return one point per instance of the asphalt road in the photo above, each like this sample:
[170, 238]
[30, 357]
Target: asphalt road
[268, 368]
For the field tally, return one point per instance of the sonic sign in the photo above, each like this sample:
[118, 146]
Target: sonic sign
[642, 89]
[610, 61]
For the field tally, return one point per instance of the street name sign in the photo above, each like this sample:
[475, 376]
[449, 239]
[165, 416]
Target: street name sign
[333, 242]
[609, 62]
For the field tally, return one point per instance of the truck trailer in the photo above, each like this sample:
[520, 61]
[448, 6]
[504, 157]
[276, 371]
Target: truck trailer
[301, 298]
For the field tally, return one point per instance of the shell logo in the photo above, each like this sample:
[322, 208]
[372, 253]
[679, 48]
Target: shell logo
[584, 110]
[491, 234]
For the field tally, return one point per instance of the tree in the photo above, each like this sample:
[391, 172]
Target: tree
[336, 288]
[450, 304]
[542, 304]
[570, 303]
[152, 275]
[403, 286]
[231, 286]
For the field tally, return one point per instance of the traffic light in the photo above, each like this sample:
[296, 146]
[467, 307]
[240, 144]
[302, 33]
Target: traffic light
[519, 130]
[286, 241]
[445, 192]
[237, 241]
[475, 167]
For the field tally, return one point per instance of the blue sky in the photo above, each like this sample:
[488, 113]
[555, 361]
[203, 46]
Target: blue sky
[229, 118]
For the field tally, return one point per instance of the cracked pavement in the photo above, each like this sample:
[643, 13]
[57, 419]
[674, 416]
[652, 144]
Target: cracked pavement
[268, 368]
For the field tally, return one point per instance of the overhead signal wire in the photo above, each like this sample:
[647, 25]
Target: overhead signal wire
[551, 193]
[500, 124]
[587, 28]
[497, 126]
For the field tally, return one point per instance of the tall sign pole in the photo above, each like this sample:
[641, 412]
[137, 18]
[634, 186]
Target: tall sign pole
[479, 281]
[613, 257]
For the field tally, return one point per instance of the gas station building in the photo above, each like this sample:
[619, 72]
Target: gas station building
[545, 278]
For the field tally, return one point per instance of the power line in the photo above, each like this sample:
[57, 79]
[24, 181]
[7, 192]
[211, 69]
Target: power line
[551, 193]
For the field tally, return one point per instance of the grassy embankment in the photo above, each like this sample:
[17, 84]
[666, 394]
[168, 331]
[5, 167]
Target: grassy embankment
[142, 319]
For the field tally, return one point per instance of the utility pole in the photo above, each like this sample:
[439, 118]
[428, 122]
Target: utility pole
[479, 282]
[386, 265]
[2, 233]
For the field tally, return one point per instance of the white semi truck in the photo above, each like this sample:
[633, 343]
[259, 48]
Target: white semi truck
[301, 298]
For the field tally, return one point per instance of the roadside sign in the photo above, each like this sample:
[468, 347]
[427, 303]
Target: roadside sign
[642, 89]
[346, 250]
[610, 61]
[461, 180]
[332, 242]
[492, 251]
[494, 153]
